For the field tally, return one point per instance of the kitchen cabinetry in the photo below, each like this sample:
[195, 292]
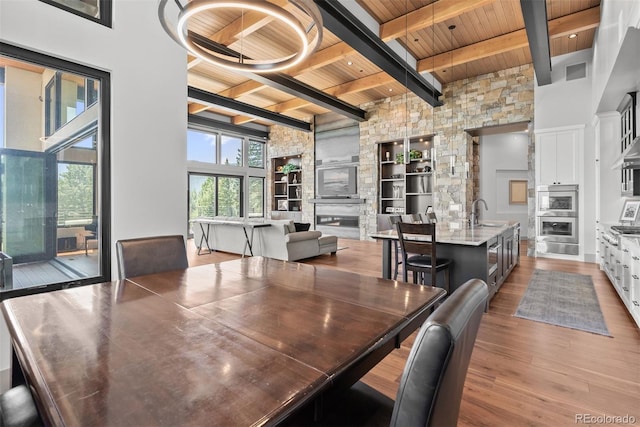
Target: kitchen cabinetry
[557, 156]
[620, 260]
[628, 133]
[287, 187]
[405, 187]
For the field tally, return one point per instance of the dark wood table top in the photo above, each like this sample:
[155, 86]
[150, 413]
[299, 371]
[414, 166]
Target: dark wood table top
[243, 342]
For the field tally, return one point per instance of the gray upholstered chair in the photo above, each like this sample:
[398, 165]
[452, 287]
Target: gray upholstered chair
[431, 387]
[17, 408]
[148, 255]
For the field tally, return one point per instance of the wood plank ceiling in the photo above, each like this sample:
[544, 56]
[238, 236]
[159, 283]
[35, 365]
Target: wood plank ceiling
[489, 36]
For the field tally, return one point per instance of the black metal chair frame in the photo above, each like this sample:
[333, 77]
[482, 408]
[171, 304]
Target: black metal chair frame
[419, 253]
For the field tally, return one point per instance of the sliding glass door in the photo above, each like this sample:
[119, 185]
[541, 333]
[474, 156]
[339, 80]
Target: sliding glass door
[53, 173]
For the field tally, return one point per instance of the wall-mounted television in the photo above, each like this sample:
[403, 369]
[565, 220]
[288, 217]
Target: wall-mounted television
[338, 182]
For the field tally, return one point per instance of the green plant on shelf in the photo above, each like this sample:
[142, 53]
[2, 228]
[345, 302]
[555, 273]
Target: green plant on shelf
[413, 154]
[288, 168]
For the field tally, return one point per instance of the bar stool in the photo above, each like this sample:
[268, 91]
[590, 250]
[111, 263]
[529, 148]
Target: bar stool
[417, 242]
[394, 219]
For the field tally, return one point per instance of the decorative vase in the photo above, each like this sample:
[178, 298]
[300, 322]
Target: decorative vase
[423, 184]
[298, 193]
[284, 178]
[295, 179]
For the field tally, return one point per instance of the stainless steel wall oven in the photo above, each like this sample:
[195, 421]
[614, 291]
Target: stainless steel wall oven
[557, 219]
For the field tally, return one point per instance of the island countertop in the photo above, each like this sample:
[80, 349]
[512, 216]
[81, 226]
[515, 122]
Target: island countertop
[460, 233]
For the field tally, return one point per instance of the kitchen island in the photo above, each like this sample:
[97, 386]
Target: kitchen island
[488, 251]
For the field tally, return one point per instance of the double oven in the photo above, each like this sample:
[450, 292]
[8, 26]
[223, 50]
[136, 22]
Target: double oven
[557, 219]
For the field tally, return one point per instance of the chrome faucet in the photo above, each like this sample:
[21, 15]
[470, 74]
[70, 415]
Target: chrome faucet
[473, 217]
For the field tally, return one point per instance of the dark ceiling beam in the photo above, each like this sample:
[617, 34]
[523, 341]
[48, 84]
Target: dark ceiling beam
[229, 104]
[535, 22]
[218, 124]
[342, 23]
[288, 84]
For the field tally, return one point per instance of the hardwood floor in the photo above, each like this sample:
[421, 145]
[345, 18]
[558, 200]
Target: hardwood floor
[522, 372]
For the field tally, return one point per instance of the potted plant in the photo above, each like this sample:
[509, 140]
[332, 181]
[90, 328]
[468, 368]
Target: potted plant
[288, 168]
[413, 154]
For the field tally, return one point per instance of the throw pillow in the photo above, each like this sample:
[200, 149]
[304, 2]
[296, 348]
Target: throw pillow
[302, 226]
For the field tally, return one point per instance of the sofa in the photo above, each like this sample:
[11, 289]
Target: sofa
[279, 240]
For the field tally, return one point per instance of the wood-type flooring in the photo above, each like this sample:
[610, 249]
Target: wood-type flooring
[523, 372]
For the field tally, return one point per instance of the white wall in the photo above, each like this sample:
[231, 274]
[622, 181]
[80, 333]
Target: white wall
[22, 92]
[569, 103]
[148, 107]
[503, 158]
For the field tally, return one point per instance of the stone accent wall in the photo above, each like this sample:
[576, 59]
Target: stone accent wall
[285, 141]
[491, 99]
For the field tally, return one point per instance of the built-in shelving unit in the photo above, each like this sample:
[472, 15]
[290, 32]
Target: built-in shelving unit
[406, 187]
[287, 188]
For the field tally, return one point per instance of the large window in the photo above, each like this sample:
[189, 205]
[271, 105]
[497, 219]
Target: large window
[214, 195]
[231, 150]
[226, 172]
[54, 198]
[66, 97]
[256, 197]
[95, 10]
[255, 159]
[201, 146]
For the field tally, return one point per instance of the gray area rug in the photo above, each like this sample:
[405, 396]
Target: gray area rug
[563, 299]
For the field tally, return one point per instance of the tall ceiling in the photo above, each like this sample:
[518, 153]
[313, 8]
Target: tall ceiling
[489, 35]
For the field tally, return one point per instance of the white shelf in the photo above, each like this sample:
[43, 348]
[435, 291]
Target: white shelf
[392, 179]
[419, 194]
[391, 199]
[420, 173]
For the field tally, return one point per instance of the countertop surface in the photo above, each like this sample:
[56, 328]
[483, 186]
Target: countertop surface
[460, 233]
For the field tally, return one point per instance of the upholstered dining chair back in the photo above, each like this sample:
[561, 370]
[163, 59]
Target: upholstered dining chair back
[148, 255]
[17, 408]
[433, 379]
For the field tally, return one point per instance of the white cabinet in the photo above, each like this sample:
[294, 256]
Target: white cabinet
[557, 156]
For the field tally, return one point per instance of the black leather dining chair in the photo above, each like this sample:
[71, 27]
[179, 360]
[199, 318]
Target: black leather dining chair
[419, 254]
[148, 255]
[17, 408]
[432, 383]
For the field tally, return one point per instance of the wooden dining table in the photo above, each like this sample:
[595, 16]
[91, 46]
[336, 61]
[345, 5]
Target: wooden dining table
[240, 343]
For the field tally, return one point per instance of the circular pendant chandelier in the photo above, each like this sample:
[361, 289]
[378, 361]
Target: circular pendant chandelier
[306, 39]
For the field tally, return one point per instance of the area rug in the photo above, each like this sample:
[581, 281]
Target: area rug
[563, 299]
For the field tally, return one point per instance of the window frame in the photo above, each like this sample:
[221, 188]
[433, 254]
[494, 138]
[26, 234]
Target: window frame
[104, 132]
[243, 171]
[106, 11]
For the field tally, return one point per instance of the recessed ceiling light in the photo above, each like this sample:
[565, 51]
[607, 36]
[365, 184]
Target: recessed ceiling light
[350, 63]
[573, 36]
[390, 89]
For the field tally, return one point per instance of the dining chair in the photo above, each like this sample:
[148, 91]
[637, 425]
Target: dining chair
[433, 379]
[394, 219]
[17, 408]
[148, 255]
[428, 218]
[417, 244]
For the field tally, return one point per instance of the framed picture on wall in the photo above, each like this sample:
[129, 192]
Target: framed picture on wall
[518, 192]
[630, 210]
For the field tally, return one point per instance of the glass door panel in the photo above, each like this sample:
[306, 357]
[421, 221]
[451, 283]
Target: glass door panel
[27, 217]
